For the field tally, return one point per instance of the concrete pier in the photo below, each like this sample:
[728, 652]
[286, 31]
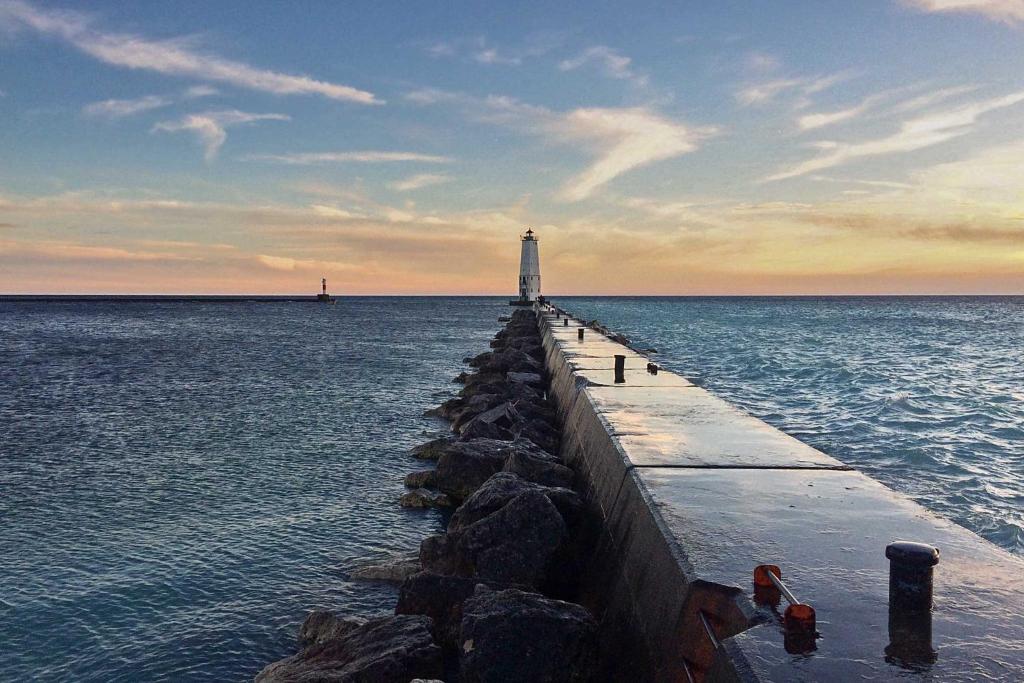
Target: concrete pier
[694, 494]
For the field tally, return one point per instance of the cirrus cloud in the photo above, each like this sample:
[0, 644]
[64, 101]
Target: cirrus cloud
[177, 57]
[211, 126]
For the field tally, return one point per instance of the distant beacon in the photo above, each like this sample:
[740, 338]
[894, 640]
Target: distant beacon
[529, 270]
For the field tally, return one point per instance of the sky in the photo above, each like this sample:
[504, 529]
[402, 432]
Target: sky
[671, 148]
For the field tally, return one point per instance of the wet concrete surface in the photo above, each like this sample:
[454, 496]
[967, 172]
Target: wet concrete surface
[696, 493]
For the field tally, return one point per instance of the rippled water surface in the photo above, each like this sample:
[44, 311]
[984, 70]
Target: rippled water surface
[924, 394]
[180, 482]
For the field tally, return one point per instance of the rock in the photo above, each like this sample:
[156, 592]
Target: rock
[514, 544]
[439, 597]
[500, 489]
[425, 498]
[511, 636]
[390, 650]
[474, 405]
[462, 377]
[539, 467]
[525, 378]
[493, 423]
[540, 433]
[484, 430]
[420, 479]
[432, 449]
[320, 626]
[438, 554]
[465, 465]
[509, 359]
[394, 569]
[445, 409]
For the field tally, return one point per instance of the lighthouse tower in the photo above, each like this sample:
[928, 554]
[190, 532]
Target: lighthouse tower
[529, 270]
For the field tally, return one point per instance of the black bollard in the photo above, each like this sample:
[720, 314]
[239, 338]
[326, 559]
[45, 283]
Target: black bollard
[579, 334]
[652, 368]
[565, 322]
[620, 369]
[911, 566]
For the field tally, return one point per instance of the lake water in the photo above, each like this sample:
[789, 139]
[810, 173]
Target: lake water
[180, 482]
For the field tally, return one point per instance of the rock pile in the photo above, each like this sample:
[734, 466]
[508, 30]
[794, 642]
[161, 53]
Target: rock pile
[489, 601]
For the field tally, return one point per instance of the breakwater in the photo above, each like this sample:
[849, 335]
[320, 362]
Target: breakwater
[694, 495]
[491, 599]
[610, 519]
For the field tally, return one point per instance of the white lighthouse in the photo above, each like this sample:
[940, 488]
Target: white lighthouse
[529, 270]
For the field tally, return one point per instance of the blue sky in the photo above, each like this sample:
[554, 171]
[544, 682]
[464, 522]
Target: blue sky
[670, 148]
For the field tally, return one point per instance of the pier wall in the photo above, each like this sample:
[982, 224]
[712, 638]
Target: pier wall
[694, 493]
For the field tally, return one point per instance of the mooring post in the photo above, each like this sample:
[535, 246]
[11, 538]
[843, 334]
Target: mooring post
[911, 569]
[565, 322]
[620, 369]
[579, 334]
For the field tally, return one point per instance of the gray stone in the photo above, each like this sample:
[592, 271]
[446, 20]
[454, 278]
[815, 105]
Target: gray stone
[525, 378]
[439, 597]
[465, 465]
[432, 449]
[509, 636]
[389, 650]
[319, 626]
[425, 498]
[420, 479]
[395, 569]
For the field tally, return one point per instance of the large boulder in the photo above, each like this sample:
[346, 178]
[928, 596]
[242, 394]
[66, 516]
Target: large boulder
[502, 488]
[393, 569]
[432, 449]
[390, 650]
[439, 597]
[534, 464]
[517, 544]
[425, 498]
[319, 626]
[421, 479]
[510, 635]
[540, 433]
[465, 465]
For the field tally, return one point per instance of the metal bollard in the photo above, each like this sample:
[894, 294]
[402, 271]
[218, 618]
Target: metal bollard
[620, 369]
[579, 334]
[911, 569]
[652, 368]
[565, 322]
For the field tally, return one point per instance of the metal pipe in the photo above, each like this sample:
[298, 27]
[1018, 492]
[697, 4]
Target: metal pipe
[782, 589]
[710, 631]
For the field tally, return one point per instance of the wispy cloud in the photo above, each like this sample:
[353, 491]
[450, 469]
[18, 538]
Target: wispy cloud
[917, 133]
[121, 108]
[830, 118]
[756, 94]
[1007, 11]
[419, 181]
[935, 97]
[210, 126]
[491, 55]
[117, 109]
[611, 62]
[177, 57]
[364, 157]
[625, 139]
